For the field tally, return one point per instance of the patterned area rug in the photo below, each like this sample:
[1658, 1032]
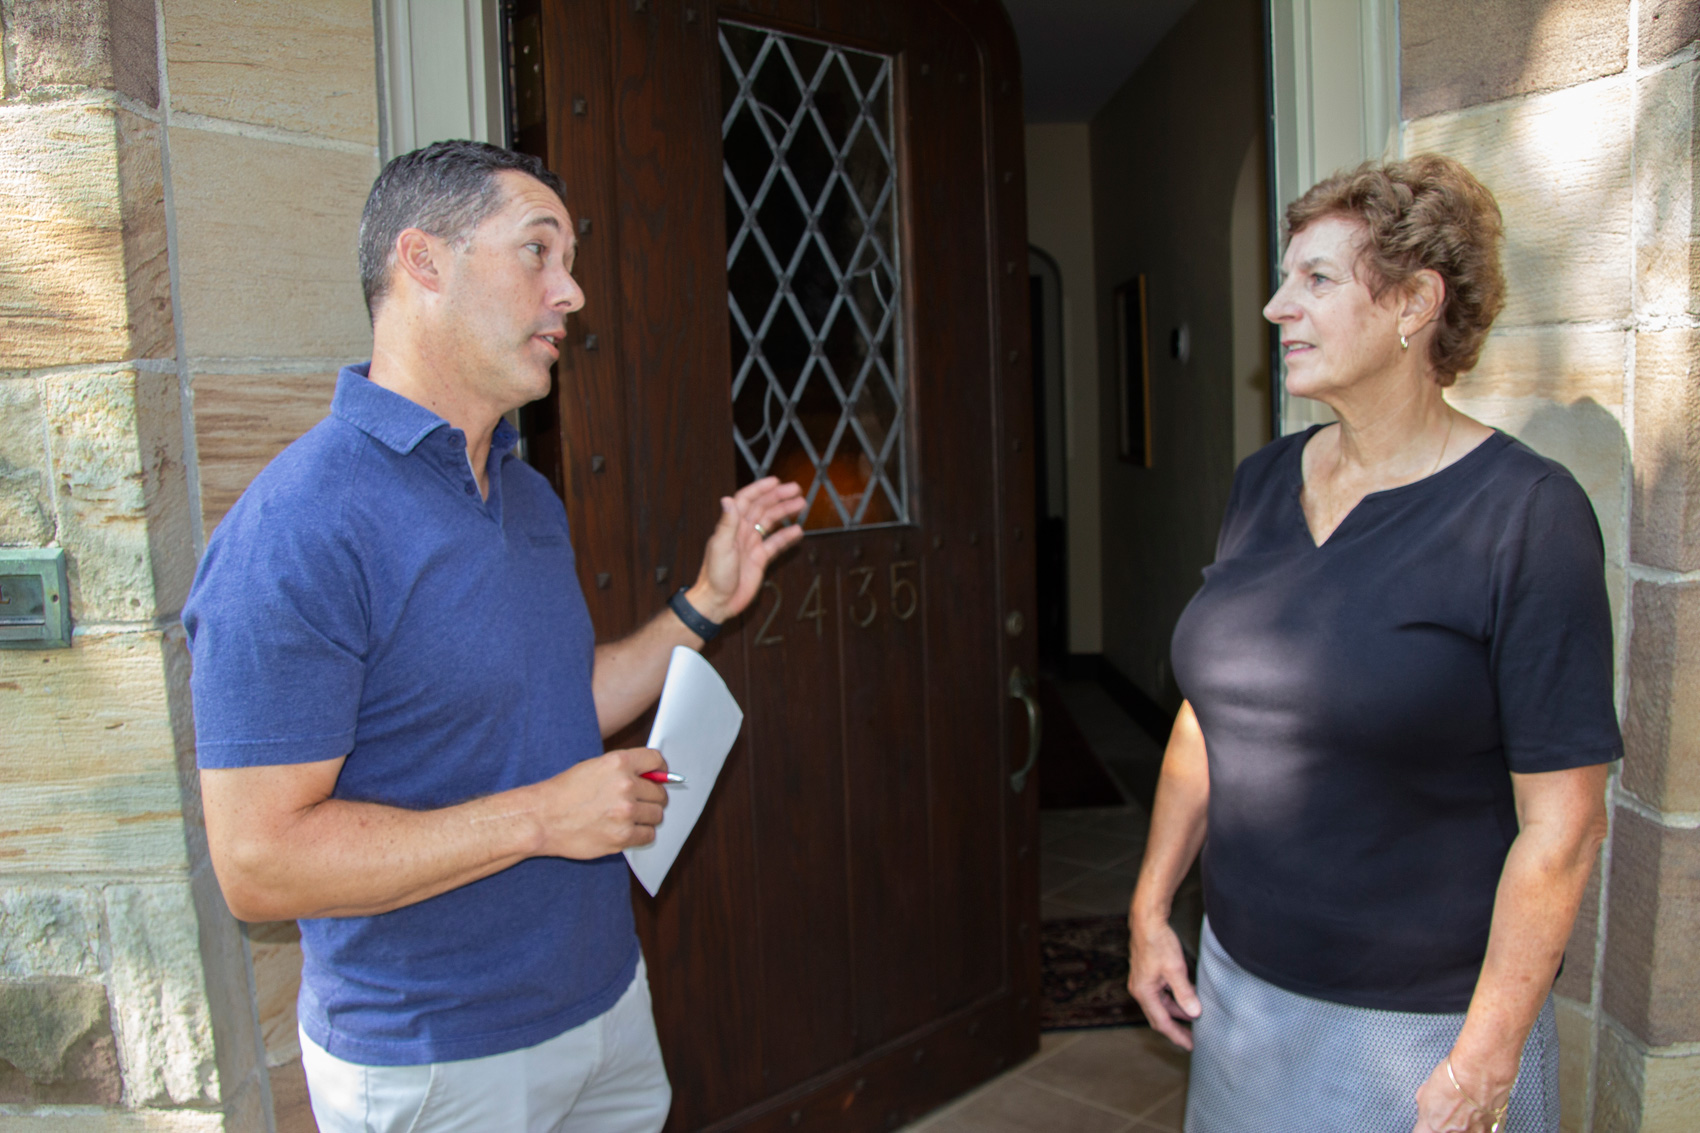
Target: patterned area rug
[1084, 963]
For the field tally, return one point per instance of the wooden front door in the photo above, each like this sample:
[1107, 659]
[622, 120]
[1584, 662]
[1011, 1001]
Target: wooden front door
[850, 939]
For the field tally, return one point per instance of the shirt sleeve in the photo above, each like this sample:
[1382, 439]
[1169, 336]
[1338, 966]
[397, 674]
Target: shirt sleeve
[1551, 638]
[278, 624]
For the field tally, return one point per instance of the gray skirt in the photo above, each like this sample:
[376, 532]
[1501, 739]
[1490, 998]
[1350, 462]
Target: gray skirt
[1266, 1059]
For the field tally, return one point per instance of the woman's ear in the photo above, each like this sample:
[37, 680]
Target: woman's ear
[1425, 296]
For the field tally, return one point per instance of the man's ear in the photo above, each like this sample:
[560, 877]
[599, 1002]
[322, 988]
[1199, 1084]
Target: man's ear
[1425, 296]
[421, 257]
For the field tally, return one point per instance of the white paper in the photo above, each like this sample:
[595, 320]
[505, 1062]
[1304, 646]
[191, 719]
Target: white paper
[695, 724]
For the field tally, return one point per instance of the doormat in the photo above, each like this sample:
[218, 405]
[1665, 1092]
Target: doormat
[1070, 774]
[1083, 962]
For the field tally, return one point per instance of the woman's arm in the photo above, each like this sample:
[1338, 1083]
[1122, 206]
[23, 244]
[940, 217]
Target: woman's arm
[1562, 820]
[1157, 975]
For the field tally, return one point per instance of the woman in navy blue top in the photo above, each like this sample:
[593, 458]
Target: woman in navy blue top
[1399, 713]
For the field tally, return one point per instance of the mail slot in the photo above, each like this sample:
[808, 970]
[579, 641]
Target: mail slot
[34, 598]
[23, 602]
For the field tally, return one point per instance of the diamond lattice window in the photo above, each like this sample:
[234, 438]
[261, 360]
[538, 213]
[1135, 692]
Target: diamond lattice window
[818, 385]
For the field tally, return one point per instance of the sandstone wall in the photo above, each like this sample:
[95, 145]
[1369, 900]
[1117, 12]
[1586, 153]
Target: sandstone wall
[1580, 115]
[180, 184]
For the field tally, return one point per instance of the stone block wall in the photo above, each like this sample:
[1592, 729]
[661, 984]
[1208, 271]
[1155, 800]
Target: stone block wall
[180, 185]
[1581, 116]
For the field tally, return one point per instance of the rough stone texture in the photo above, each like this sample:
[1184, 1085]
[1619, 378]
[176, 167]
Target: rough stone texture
[108, 44]
[56, 1044]
[1641, 1091]
[1559, 363]
[1667, 26]
[276, 948]
[229, 981]
[26, 503]
[62, 290]
[1671, 1093]
[122, 494]
[1559, 165]
[83, 269]
[141, 187]
[159, 996]
[1653, 928]
[48, 932]
[1618, 1082]
[1457, 53]
[140, 1121]
[1667, 223]
[287, 64]
[242, 421]
[87, 777]
[1667, 449]
[266, 247]
[1661, 725]
[182, 713]
[1575, 1035]
[1576, 979]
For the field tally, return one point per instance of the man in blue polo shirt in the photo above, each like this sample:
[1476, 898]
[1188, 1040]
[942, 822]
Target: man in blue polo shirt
[400, 707]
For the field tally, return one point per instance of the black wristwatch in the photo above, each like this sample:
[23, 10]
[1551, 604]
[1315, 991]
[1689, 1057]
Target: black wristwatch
[693, 620]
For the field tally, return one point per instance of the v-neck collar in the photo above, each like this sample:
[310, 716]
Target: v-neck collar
[1296, 473]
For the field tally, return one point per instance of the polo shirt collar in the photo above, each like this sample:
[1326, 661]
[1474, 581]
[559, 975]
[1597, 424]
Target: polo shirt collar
[392, 419]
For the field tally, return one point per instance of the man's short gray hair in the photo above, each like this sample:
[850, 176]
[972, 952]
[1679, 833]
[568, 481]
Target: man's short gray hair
[446, 189]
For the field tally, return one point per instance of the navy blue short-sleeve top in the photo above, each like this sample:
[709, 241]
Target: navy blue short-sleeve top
[1364, 702]
[362, 601]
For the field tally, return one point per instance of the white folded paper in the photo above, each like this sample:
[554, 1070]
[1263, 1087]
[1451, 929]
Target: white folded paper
[695, 724]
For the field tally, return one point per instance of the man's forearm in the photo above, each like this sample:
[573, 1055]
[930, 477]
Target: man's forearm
[284, 848]
[630, 672]
[340, 858]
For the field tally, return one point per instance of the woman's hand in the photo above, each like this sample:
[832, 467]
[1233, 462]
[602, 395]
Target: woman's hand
[1443, 1107]
[1156, 976]
[1157, 979]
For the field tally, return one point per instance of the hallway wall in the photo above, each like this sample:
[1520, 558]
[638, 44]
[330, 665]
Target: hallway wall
[1167, 151]
[1059, 222]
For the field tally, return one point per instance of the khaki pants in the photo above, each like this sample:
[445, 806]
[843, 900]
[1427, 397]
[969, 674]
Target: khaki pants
[604, 1076]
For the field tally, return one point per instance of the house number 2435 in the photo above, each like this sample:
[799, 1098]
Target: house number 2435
[901, 599]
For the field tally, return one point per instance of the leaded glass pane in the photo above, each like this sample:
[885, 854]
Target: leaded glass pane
[818, 374]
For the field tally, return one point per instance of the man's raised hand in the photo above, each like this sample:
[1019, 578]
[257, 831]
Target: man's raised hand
[750, 533]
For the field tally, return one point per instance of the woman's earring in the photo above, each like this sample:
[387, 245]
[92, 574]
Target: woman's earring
[1404, 343]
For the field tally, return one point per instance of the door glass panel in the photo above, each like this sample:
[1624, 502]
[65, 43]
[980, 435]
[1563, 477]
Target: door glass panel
[812, 266]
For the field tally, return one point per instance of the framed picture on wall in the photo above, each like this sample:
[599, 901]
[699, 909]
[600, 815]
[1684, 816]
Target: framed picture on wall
[1133, 370]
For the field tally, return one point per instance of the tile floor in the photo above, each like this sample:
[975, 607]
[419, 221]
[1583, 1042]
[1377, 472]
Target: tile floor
[1115, 1080]
[1112, 1080]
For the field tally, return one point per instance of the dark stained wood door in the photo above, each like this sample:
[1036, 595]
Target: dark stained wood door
[850, 938]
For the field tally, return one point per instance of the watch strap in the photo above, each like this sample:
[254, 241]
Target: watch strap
[694, 621]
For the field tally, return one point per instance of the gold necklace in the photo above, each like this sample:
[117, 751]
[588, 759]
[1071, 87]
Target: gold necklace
[1450, 417]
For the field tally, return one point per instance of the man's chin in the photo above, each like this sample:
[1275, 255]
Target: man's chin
[535, 387]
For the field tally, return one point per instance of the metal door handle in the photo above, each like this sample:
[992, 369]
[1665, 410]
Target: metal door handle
[1021, 688]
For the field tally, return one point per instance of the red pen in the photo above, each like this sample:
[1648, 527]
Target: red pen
[662, 777]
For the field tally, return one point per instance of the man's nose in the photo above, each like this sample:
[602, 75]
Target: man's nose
[569, 296]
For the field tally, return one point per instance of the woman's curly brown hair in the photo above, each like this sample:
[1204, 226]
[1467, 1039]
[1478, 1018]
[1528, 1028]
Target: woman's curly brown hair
[1427, 212]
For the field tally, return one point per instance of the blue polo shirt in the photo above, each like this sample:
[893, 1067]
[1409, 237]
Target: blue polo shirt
[362, 600]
